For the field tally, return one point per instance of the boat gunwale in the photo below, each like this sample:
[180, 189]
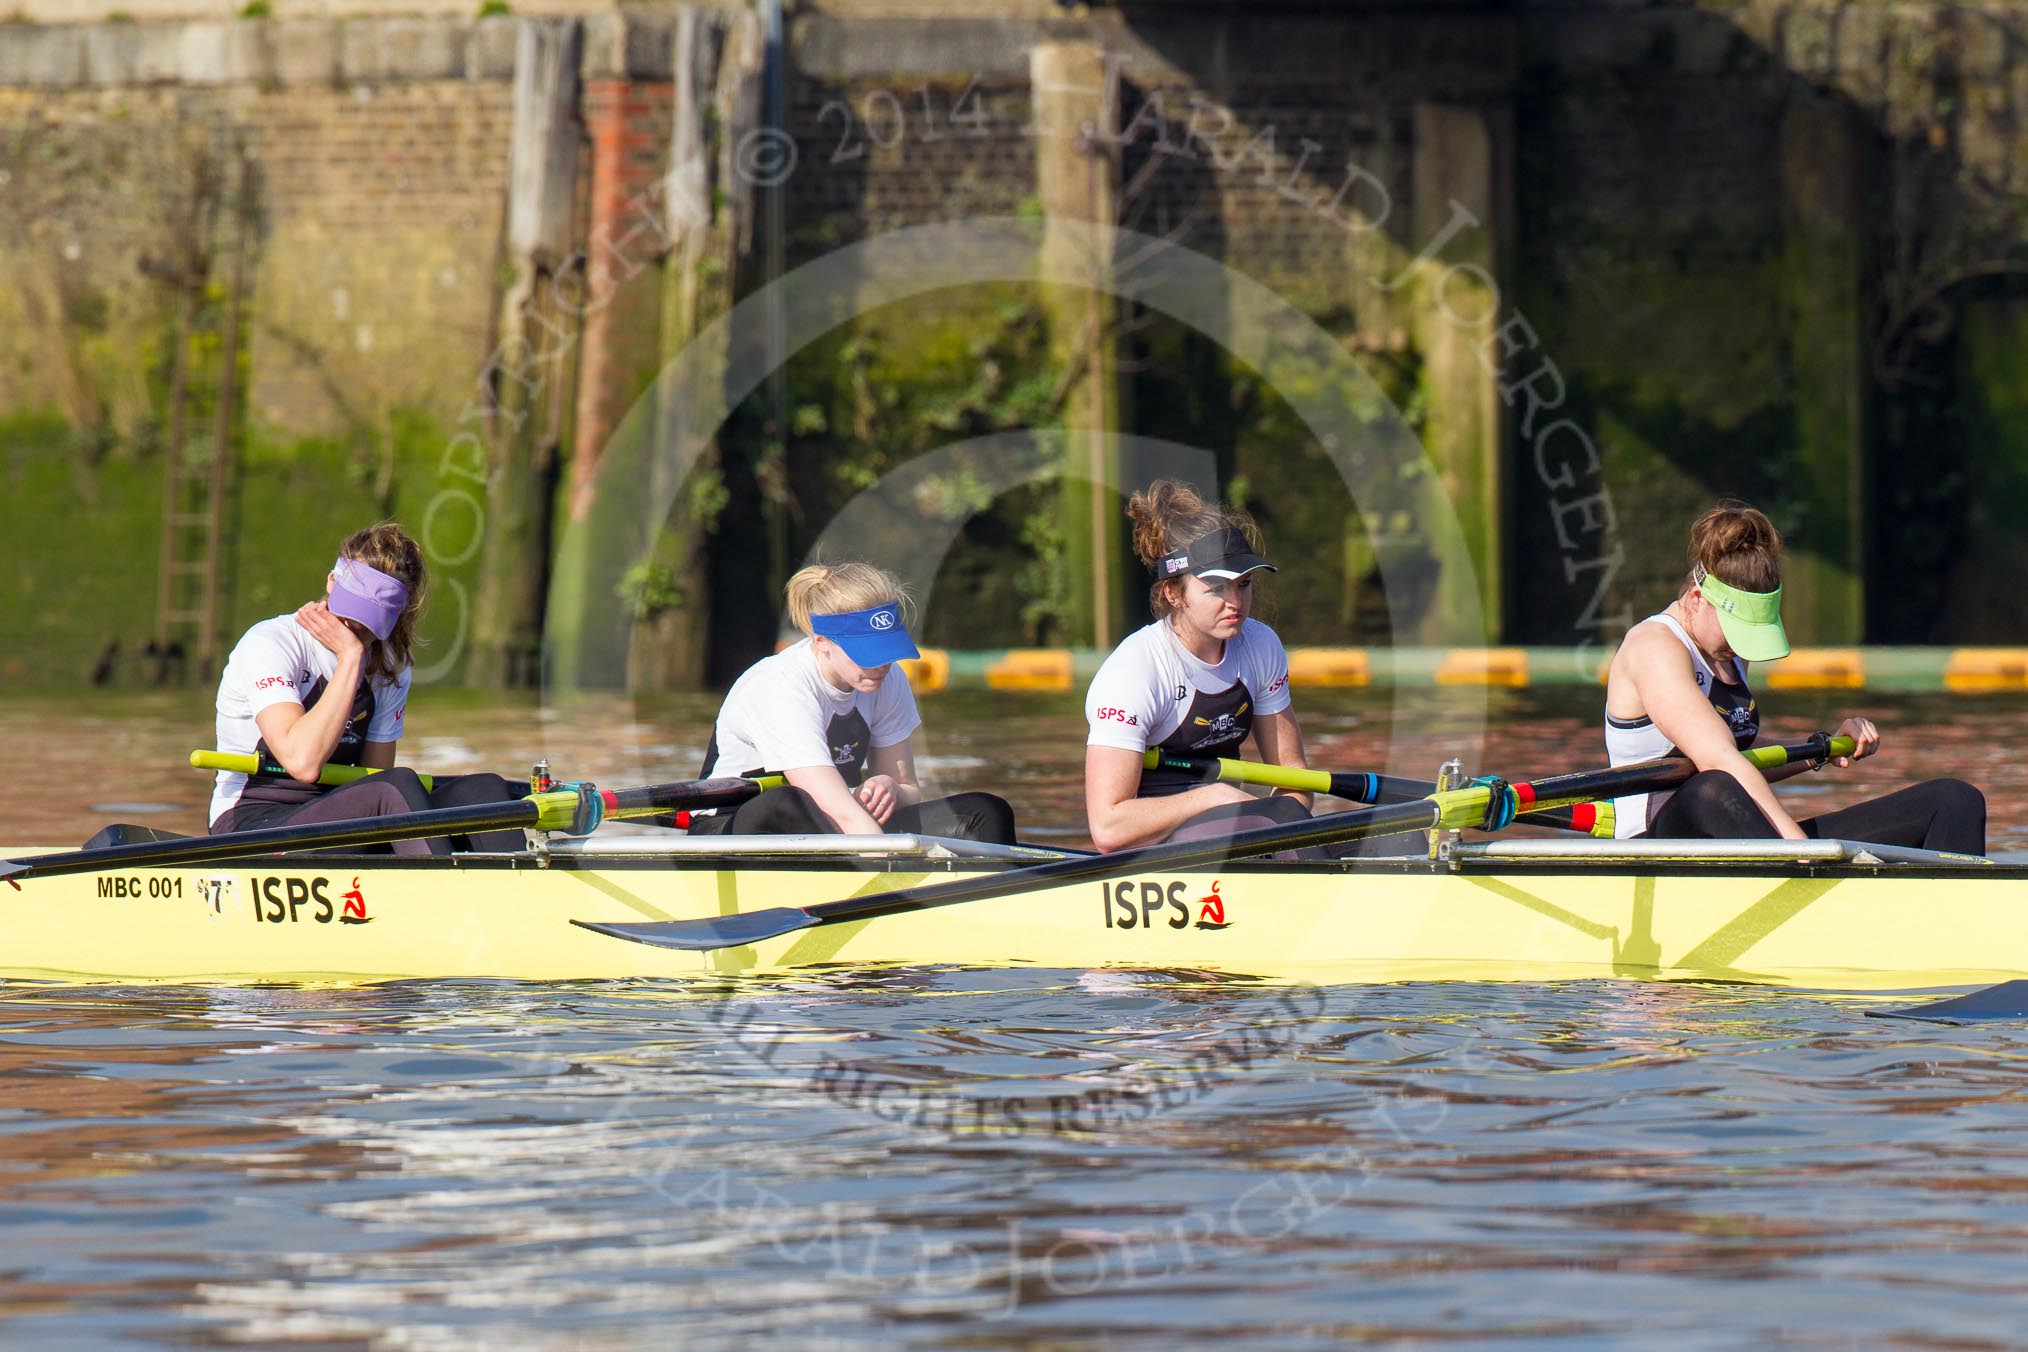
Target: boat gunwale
[1461, 866]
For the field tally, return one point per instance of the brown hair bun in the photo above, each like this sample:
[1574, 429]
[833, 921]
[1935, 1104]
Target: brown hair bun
[1169, 516]
[1739, 546]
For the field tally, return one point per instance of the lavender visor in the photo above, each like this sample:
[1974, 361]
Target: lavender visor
[364, 593]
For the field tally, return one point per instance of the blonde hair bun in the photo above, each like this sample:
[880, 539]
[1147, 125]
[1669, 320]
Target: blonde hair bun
[833, 588]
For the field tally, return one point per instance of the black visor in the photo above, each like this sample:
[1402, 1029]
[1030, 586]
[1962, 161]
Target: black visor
[1223, 554]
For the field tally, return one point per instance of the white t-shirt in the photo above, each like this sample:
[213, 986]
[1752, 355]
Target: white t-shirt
[777, 716]
[1146, 687]
[279, 662]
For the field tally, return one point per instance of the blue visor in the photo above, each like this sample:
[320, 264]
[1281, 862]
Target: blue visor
[871, 638]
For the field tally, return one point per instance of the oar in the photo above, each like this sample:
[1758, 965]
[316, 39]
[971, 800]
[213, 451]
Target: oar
[1360, 787]
[1486, 803]
[330, 776]
[573, 810]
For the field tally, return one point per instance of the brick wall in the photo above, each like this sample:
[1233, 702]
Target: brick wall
[879, 154]
[1651, 212]
[379, 205]
[384, 214]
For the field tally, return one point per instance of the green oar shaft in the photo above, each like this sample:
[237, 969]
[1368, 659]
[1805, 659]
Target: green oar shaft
[619, 804]
[335, 775]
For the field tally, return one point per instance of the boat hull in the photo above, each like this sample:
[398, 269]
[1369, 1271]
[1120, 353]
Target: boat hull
[1831, 926]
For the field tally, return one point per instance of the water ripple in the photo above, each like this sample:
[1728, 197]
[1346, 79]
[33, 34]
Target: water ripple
[999, 1159]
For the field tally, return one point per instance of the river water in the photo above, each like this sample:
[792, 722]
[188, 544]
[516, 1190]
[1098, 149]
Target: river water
[995, 1159]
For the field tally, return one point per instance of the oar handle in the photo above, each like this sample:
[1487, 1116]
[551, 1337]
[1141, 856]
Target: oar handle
[651, 801]
[330, 776]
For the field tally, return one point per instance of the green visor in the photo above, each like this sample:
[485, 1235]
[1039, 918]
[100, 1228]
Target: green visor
[1752, 621]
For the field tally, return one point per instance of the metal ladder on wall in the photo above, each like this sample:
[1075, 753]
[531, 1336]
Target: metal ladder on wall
[203, 404]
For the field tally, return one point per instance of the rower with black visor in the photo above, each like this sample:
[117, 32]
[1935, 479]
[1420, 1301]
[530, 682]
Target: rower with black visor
[1200, 681]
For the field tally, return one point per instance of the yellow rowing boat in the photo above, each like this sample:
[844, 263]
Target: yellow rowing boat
[1817, 914]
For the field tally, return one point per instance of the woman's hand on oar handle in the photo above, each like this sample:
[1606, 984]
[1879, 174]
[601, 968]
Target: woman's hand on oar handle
[1863, 734]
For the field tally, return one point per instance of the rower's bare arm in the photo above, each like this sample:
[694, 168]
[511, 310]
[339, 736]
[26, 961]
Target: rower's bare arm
[897, 762]
[1278, 739]
[1119, 820]
[302, 740]
[1666, 688]
[833, 797]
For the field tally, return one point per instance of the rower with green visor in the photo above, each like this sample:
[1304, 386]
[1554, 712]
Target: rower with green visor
[1678, 686]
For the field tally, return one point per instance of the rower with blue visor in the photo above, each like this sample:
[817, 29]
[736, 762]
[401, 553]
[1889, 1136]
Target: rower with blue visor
[834, 715]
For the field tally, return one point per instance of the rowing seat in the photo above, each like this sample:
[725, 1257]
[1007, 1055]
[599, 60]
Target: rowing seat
[125, 833]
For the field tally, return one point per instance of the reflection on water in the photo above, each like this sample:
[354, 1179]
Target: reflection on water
[1007, 1158]
[998, 1159]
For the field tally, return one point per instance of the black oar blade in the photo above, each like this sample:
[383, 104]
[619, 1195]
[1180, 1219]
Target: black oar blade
[718, 931]
[2008, 1000]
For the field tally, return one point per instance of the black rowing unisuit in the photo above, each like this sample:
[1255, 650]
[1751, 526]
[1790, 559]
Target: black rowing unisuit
[847, 736]
[1216, 725]
[264, 788]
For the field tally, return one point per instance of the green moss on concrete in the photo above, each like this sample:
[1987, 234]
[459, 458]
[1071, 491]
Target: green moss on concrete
[83, 540]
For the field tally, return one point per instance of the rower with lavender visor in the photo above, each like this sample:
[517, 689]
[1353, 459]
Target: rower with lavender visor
[329, 685]
[834, 715]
